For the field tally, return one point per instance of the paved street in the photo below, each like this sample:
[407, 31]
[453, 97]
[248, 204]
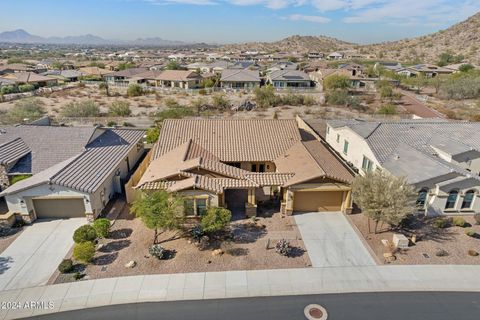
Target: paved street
[391, 306]
[33, 257]
[331, 241]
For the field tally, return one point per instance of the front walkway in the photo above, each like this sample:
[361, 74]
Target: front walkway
[331, 241]
[34, 256]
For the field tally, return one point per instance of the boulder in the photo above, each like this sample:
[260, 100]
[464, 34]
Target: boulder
[217, 252]
[130, 264]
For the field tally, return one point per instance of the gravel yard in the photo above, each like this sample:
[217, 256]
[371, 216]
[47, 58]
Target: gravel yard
[430, 240]
[130, 239]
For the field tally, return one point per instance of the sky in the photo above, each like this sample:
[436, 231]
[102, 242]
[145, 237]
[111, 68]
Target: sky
[231, 21]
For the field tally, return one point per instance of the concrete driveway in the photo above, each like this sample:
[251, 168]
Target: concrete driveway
[33, 257]
[331, 241]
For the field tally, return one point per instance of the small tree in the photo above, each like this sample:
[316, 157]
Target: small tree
[152, 135]
[336, 81]
[173, 65]
[84, 251]
[215, 219]
[160, 211]
[220, 101]
[383, 197]
[265, 97]
[120, 108]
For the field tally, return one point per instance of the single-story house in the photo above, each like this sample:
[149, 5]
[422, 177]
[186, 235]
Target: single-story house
[427, 70]
[240, 79]
[335, 56]
[16, 67]
[65, 172]
[184, 79]
[287, 78]
[240, 163]
[125, 76]
[35, 79]
[64, 75]
[440, 158]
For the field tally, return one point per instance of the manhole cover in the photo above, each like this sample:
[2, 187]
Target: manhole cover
[315, 312]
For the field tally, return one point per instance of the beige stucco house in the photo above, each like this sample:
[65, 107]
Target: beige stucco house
[239, 164]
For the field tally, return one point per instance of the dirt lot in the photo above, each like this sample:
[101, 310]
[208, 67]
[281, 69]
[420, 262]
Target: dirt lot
[430, 240]
[130, 239]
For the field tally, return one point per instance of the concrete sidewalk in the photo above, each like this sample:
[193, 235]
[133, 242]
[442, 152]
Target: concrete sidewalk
[230, 284]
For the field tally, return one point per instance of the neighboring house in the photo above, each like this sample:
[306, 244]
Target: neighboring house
[335, 56]
[15, 67]
[238, 163]
[427, 70]
[456, 67]
[315, 55]
[184, 79]
[64, 75]
[35, 79]
[440, 158]
[282, 79]
[69, 171]
[284, 65]
[126, 76]
[354, 69]
[240, 79]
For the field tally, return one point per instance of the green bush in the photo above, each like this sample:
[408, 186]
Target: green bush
[26, 87]
[215, 219]
[152, 135]
[171, 103]
[342, 98]
[157, 251]
[265, 97]
[84, 252]
[459, 222]
[388, 109]
[87, 108]
[8, 89]
[202, 92]
[174, 113]
[15, 179]
[476, 216]
[135, 90]
[220, 102]
[336, 81]
[65, 266]
[470, 232]
[441, 223]
[120, 109]
[85, 233]
[102, 227]
[31, 109]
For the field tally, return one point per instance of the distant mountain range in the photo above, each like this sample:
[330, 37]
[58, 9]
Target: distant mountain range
[23, 37]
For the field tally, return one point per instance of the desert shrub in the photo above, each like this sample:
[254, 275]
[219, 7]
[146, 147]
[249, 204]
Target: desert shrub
[120, 109]
[8, 89]
[470, 232]
[152, 135]
[472, 253]
[459, 222]
[65, 266]
[464, 85]
[135, 90]
[102, 86]
[171, 103]
[202, 92]
[84, 251]
[31, 109]
[86, 108]
[388, 109]
[174, 113]
[335, 82]
[101, 227]
[283, 247]
[476, 216]
[157, 251]
[85, 233]
[215, 219]
[220, 102]
[342, 97]
[111, 124]
[441, 223]
[386, 92]
[296, 100]
[265, 97]
[26, 87]
[441, 253]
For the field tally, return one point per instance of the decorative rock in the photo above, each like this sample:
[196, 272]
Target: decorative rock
[217, 252]
[400, 241]
[130, 264]
[386, 243]
[100, 246]
[389, 257]
[414, 239]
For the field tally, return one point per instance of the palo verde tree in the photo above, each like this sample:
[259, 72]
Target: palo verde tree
[384, 198]
[160, 211]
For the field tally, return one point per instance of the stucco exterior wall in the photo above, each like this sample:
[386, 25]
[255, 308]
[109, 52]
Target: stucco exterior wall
[436, 203]
[213, 199]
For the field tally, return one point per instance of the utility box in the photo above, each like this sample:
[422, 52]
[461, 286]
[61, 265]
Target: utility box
[400, 241]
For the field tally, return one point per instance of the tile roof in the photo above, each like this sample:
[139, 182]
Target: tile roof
[27, 77]
[288, 75]
[240, 75]
[128, 73]
[230, 140]
[13, 151]
[178, 75]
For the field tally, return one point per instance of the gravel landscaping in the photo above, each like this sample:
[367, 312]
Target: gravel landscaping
[129, 240]
[430, 241]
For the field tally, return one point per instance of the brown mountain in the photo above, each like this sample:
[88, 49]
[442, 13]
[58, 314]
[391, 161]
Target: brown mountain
[300, 44]
[460, 39]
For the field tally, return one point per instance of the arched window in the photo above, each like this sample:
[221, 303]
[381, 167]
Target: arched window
[452, 199]
[468, 199]
[422, 197]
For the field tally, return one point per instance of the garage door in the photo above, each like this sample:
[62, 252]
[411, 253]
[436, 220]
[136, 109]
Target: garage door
[59, 208]
[317, 201]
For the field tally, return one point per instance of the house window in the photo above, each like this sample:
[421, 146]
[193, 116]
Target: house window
[468, 199]
[194, 207]
[367, 164]
[422, 198]
[261, 168]
[345, 147]
[254, 168]
[452, 199]
[236, 164]
[338, 137]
